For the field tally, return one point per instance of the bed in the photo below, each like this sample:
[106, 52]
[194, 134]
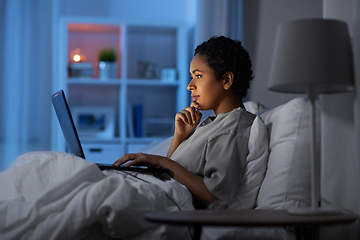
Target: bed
[54, 195]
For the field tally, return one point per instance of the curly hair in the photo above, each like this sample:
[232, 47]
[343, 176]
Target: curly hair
[226, 55]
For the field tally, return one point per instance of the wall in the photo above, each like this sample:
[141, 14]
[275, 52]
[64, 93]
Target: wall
[134, 10]
[340, 127]
[261, 18]
[340, 113]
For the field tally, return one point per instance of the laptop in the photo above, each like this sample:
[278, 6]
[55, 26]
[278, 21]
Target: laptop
[72, 138]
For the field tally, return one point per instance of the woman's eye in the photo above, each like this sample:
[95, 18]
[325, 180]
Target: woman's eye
[196, 76]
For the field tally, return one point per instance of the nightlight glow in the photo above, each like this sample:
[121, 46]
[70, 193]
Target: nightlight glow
[76, 58]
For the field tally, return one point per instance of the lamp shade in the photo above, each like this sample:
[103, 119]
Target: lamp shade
[313, 53]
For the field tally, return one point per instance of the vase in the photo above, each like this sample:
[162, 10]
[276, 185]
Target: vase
[107, 70]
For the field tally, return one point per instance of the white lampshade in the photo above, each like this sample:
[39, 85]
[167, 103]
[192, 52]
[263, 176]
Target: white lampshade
[313, 53]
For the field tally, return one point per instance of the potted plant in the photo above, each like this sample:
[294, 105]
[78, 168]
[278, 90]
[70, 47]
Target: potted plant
[107, 65]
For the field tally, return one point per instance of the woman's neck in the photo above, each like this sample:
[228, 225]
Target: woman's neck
[229, 105]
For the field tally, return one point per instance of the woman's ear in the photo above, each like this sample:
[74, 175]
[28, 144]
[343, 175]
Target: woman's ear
[228, 79]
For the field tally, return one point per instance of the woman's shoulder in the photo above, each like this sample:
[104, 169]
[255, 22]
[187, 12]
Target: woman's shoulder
[237, 122]
[239, 117]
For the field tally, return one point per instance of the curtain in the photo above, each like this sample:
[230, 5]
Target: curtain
[25, 77]
[219, 17]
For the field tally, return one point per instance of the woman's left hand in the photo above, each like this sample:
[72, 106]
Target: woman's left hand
[140, 159]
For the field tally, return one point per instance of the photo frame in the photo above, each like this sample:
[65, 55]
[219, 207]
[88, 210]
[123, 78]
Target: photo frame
[97, 122]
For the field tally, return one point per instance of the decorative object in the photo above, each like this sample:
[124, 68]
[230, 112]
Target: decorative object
[159, 127]
[312, 56]
[108, 65]
[168, 75]
[78, 67]
[81, 69]
[78, 56]
[97, 122]
[147, 70]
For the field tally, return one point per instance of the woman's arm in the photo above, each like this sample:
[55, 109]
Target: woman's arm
[193, 182]
[185, 123]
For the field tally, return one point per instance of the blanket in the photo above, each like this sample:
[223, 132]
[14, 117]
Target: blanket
[53, 195]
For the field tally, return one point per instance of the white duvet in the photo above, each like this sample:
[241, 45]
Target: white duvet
[53, 195]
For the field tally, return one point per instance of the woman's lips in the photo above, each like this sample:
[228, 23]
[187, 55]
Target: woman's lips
[194, 98]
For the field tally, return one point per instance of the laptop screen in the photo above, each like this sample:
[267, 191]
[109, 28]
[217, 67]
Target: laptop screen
[67, 124]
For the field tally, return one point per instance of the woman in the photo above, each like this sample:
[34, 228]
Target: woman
[209, 159]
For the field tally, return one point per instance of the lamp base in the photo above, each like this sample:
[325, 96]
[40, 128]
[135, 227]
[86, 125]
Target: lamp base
[314, 211]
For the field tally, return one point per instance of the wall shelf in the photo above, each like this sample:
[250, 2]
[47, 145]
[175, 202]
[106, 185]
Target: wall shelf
[137, 44]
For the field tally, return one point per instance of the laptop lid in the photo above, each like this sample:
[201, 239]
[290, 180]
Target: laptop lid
[67, 124]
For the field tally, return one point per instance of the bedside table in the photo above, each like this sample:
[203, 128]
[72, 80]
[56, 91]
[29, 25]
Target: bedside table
[249, 218]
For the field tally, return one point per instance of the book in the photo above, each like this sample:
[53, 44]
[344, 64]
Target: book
[138, 120]
[130, 121]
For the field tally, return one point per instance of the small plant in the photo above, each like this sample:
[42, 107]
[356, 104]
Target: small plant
[107, 55]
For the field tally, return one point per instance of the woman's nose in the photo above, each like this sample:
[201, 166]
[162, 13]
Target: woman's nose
[191, 86]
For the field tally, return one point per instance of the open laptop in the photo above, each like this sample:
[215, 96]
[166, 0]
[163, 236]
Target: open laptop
[72, 138]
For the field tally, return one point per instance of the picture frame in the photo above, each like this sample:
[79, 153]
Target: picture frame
[94, 122]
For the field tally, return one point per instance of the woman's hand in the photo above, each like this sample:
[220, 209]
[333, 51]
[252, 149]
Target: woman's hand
[186, 120]
[140, 159]
[192, 181]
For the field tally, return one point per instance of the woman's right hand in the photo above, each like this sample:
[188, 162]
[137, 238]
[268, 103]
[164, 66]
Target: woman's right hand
[186, 120]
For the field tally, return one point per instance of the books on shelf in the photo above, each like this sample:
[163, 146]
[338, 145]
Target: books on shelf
[134, 120]
[138, 120]
[139, 126]
[130, 122]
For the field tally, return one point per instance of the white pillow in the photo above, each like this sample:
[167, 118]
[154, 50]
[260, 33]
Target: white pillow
[254, 107]
[287, 180]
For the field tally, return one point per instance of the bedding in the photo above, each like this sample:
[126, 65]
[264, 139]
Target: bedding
[53, 195]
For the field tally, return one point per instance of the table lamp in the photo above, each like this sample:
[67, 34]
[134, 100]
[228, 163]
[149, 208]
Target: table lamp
[312, 56]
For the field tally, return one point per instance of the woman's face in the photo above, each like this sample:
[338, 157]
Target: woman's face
[205, 89]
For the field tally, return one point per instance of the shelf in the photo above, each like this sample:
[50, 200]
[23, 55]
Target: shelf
[93, 81]
[143, 140]
[143, 51]
[100, 140]
[93, 28]
[116, 81]
[151, 82]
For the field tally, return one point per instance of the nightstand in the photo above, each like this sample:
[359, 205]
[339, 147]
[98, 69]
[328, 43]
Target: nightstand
[249, 218]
